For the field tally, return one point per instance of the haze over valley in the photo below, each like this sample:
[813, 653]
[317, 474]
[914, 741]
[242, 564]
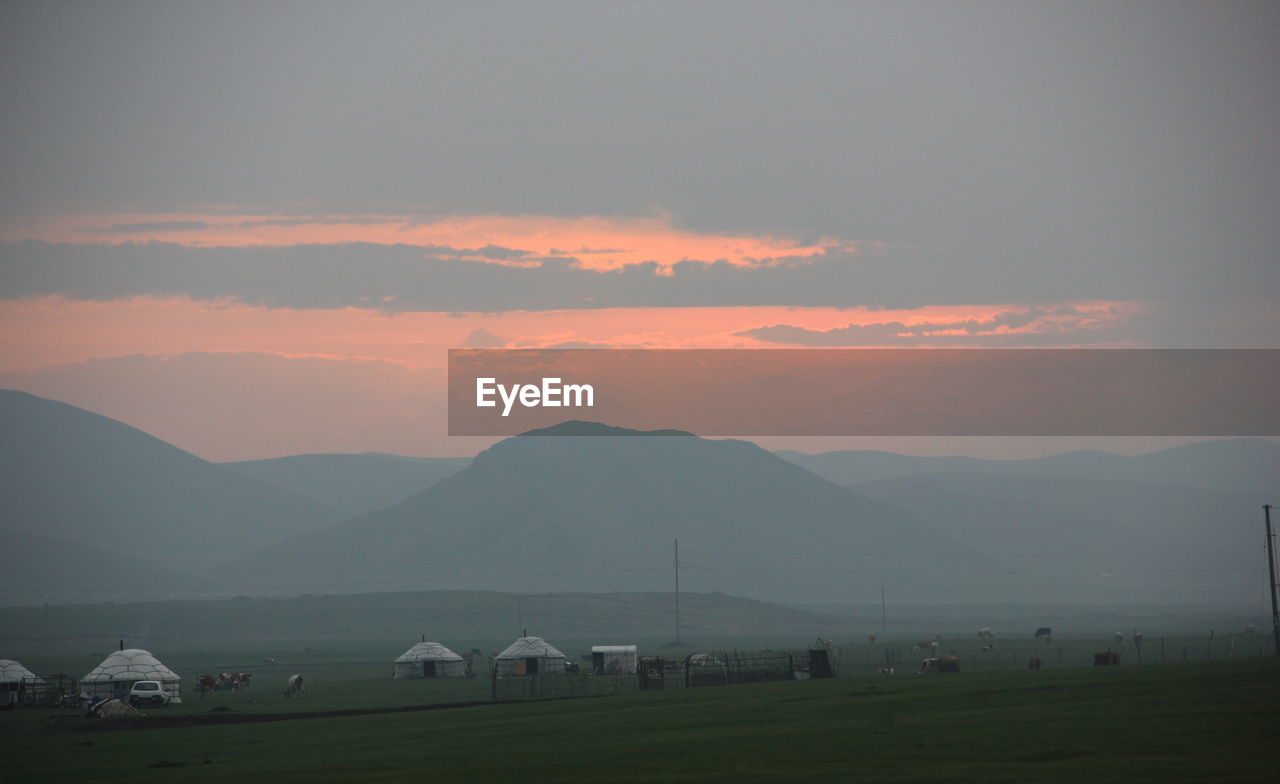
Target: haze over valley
[101, 510]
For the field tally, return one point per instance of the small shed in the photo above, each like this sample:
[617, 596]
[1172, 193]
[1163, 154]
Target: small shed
[530, 656]
[429, 660]
[117, 673]
[613, 659]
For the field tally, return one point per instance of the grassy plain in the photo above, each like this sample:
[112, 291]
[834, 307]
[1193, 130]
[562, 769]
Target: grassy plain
[1194, 721]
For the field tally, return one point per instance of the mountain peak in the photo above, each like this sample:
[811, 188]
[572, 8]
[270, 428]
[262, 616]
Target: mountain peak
[577, 427]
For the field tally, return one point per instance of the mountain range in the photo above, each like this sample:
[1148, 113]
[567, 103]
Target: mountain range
[84, 496]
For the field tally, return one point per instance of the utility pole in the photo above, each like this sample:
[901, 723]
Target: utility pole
[884, 618]
[1271, 566]
[677, 563]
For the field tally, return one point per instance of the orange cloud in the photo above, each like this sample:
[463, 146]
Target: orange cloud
[287, 381]
[50, 331]
[592, 242]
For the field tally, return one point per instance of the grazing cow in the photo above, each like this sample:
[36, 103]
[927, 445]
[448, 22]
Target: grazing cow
[245, 677]
[886, 670]
[921, 645]
[928, 665]
[267, 662]
[206, 684]
[1033, 663]
[987, 633]
[295, 686]
[949, 664]
[1106, 659]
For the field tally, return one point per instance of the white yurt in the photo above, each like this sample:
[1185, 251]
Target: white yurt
[429, 660]
[119, 671]
[530, 656]
[14, 680]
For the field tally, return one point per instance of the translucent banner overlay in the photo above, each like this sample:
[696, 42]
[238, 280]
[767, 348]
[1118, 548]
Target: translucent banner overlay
[870, 392]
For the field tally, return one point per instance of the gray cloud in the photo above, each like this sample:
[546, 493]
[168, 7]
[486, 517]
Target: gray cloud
[967, 332]
[407, 278]
[1058, 140]
[147, 226]
[1005, 151]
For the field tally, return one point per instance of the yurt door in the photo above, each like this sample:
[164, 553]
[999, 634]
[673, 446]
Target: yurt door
[531, 666]
[428, 669]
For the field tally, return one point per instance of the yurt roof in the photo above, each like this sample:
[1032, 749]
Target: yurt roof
[428, 651]
[11, 671]
[132, 664]
[530, 647]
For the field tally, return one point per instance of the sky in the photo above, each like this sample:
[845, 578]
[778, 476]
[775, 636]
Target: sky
[254, 229]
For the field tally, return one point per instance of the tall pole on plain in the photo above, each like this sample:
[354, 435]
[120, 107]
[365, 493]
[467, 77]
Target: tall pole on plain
[1271, 566]
[884, 618]
[677, 563]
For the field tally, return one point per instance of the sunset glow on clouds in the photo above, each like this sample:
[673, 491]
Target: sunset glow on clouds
[329, 333]
[54, 330]
[288, 381]
[592, 242]
[253, 236]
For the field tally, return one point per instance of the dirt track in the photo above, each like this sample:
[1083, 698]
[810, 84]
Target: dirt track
[153, 721]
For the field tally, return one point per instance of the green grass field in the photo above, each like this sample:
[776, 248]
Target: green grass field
[1198, 721]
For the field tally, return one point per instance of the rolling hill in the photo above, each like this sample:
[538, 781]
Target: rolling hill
[90, 480]
[544, 513]
[352, 485]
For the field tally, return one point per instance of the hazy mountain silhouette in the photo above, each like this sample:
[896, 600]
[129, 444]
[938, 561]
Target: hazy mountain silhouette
[1145, 541]
[1247, 464]
[87, 479]
[352, 485]
[541, 512]
[41, 568]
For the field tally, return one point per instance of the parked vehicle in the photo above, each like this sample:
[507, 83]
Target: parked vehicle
[148, 693]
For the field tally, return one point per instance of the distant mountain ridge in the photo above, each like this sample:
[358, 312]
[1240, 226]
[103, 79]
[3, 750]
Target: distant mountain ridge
[93, 505]
[1147, 541]
[601, 513]
[1249, 464]
[352, 485]
[39, 568]
[88, 479]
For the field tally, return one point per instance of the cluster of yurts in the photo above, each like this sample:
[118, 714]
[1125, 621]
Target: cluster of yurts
[525, 656]
[117, 673]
